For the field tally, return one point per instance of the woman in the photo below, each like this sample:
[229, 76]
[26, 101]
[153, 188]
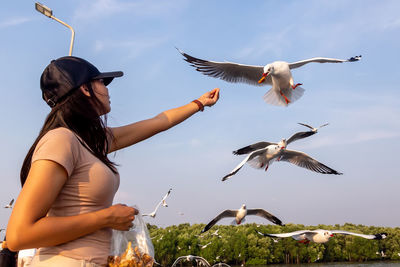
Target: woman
[65, 205]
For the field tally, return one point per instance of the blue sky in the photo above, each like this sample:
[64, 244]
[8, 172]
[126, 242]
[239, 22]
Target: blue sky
[359, 100]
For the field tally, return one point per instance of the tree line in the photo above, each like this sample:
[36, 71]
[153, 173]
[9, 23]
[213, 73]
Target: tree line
[236, 245]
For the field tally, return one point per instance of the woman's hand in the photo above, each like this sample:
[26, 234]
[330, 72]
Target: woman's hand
[209, 98]
[120, 217]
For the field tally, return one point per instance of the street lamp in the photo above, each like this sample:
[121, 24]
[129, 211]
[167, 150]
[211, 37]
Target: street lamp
[49, 13]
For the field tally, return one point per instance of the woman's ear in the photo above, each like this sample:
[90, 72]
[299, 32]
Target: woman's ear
[85, 90]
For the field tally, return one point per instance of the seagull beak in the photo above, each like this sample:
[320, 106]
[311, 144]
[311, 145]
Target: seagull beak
[331, 235]
[263, 77]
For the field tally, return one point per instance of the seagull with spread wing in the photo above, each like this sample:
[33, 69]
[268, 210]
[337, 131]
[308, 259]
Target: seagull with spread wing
[204, 246]
[278, 74]
[10, 205]
[320, 235]
[240, 214]
[162, 202]
[263, 154]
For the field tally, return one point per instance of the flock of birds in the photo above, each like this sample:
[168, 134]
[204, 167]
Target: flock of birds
[262, 154]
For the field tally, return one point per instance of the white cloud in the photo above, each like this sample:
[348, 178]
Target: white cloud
[14, 22]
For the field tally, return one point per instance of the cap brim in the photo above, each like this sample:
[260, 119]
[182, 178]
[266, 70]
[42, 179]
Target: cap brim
[109, 76]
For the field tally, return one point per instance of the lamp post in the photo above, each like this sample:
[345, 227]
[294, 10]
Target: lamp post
[49, 13]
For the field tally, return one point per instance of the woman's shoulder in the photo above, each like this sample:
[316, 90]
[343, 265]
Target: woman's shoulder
[60, 135]
[61, 132]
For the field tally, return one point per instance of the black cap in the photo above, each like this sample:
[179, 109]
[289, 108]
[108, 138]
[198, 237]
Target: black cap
[63, 75]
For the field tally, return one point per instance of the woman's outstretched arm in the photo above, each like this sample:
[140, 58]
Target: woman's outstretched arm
[29, 227]
[133, 133]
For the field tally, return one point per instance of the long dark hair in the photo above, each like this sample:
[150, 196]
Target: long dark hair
[78, 113]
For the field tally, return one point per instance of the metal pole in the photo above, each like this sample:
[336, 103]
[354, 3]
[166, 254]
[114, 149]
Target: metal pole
[72, 30]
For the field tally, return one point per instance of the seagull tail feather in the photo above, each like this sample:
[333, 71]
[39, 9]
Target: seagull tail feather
[273, 97]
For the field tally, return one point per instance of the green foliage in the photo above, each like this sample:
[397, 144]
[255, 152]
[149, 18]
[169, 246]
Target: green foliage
[242, 245]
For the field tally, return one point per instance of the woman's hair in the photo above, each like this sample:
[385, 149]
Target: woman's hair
[78, 113]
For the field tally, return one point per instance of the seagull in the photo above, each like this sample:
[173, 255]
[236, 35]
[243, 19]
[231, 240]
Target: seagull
[9, 206]
[278, 74]
[204, 246]
[263, 154]
[240, 214]
[320, 235]
[191, 258]
[162, 202]
[216, 233]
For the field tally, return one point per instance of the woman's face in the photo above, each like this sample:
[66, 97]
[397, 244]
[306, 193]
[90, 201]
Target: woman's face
[101, 92]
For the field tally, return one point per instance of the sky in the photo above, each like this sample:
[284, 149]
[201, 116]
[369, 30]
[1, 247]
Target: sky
[358, 100]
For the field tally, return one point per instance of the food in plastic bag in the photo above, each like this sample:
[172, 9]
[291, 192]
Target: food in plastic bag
[131, 258]
[132, 248]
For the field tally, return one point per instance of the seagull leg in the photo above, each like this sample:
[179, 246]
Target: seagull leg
[266, 168]
[286, 99]
[297, 84]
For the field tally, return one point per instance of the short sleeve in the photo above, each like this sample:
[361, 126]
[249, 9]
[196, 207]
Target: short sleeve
[59, 145]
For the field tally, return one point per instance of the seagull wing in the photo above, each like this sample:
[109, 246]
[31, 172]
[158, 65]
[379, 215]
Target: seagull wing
[265, 214]
[225, 213]
[251, 148]
[323, 125]
[308, 126]
[299, 135]
[375, 236]
[158, 205]
[166, 195]
[228, 71]
[305, 161]
[322, 60]
[283, 235]
[251, 156]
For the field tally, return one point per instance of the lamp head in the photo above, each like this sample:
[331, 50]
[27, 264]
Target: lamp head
[43, 9]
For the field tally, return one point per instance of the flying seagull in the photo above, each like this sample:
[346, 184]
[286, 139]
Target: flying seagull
[162, 202]
[9, 206]
[320, 235]
[204, 246]
[278, 74]
[263, 154]
[240, 214]
[216, 233]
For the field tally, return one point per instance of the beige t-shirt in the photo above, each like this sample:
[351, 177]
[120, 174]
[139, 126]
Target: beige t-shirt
[90, 186]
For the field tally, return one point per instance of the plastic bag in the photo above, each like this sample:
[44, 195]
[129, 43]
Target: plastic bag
[133, 247]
